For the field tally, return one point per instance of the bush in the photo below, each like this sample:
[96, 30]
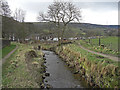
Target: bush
[31, 54]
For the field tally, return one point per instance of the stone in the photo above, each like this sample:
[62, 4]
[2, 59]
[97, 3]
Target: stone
[76, 72]
[78, 86]
[43, 77]
[44, 55]
[46, 81]
[48, 86]
[45, 62]
[47, 74]
[44, 58]
[42, 85]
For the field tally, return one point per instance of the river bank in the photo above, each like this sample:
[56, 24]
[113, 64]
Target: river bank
[97, 71]
[24, 68]
[28, 67]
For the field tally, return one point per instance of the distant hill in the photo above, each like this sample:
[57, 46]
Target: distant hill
[96, 25]
[104, 26]
[79, 29]
[22, 30]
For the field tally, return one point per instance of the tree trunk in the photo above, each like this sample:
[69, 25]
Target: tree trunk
[89, 40]
[62, 36]
[58, 27]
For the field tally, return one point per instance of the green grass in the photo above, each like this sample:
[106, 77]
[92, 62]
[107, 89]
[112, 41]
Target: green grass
[7, 50]
[15, 73]
[92, 64]
[89, 56]
[110, 45]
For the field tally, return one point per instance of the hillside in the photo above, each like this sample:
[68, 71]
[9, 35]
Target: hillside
[79, 29]
[19, 30]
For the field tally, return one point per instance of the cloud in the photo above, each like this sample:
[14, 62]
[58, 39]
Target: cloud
[36, 6]
[97, 5]
[94, 11]
[106, 18]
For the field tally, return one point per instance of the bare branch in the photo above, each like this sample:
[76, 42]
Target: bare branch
[61, 13]
[19, 15]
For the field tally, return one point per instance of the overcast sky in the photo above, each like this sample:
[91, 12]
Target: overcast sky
[103, 12]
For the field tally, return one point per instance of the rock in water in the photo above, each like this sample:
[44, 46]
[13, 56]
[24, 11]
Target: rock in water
[43, 77]
[44, 58]
[48, 86]
[42, 85]
[76, 72]
[47, 74]
[78, 86]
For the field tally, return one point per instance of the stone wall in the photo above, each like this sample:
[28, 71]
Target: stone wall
[5, 43]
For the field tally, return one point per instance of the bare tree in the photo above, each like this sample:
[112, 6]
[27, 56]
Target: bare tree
[19, 15]
[1, 11]
[4, 8]
[52, 16]
[69, 13]
[61, 13]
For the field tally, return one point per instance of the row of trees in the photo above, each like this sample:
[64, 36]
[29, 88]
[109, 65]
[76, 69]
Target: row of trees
[13, 25]
[59, 13]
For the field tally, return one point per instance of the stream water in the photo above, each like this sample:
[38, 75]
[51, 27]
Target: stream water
[60, 75]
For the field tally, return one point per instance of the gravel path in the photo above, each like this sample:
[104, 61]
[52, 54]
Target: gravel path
[104, 55]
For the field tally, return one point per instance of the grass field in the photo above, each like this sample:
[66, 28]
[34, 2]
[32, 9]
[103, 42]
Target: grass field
[110, 45]
[6, 50]
[91, 57]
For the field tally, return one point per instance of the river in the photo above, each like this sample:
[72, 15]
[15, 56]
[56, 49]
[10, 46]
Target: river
[60, 75]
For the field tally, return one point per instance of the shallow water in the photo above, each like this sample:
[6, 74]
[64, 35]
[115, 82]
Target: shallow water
[60, 75]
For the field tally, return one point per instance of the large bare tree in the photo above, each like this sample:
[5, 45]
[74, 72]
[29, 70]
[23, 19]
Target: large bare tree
[19, 15]
[61, 13]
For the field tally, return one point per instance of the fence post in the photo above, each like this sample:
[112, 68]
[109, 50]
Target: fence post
[89, 40]
[99, 41]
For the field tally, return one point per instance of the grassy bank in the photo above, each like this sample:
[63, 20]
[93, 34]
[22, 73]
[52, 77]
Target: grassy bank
[110, 45]
[18, 70]
[97, 70]
[7, 50]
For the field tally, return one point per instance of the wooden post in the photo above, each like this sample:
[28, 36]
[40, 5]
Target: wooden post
[99, 41]
[39, 47]
[89, 40]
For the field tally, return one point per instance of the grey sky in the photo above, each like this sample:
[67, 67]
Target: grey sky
[94, 11]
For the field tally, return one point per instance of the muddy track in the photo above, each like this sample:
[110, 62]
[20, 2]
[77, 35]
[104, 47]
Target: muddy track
[9, 54]
[101, 54]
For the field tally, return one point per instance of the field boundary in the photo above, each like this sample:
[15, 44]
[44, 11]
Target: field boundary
[104, 55]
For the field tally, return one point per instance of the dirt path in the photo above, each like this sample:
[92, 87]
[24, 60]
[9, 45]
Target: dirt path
[104, 55]
[7, 56]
